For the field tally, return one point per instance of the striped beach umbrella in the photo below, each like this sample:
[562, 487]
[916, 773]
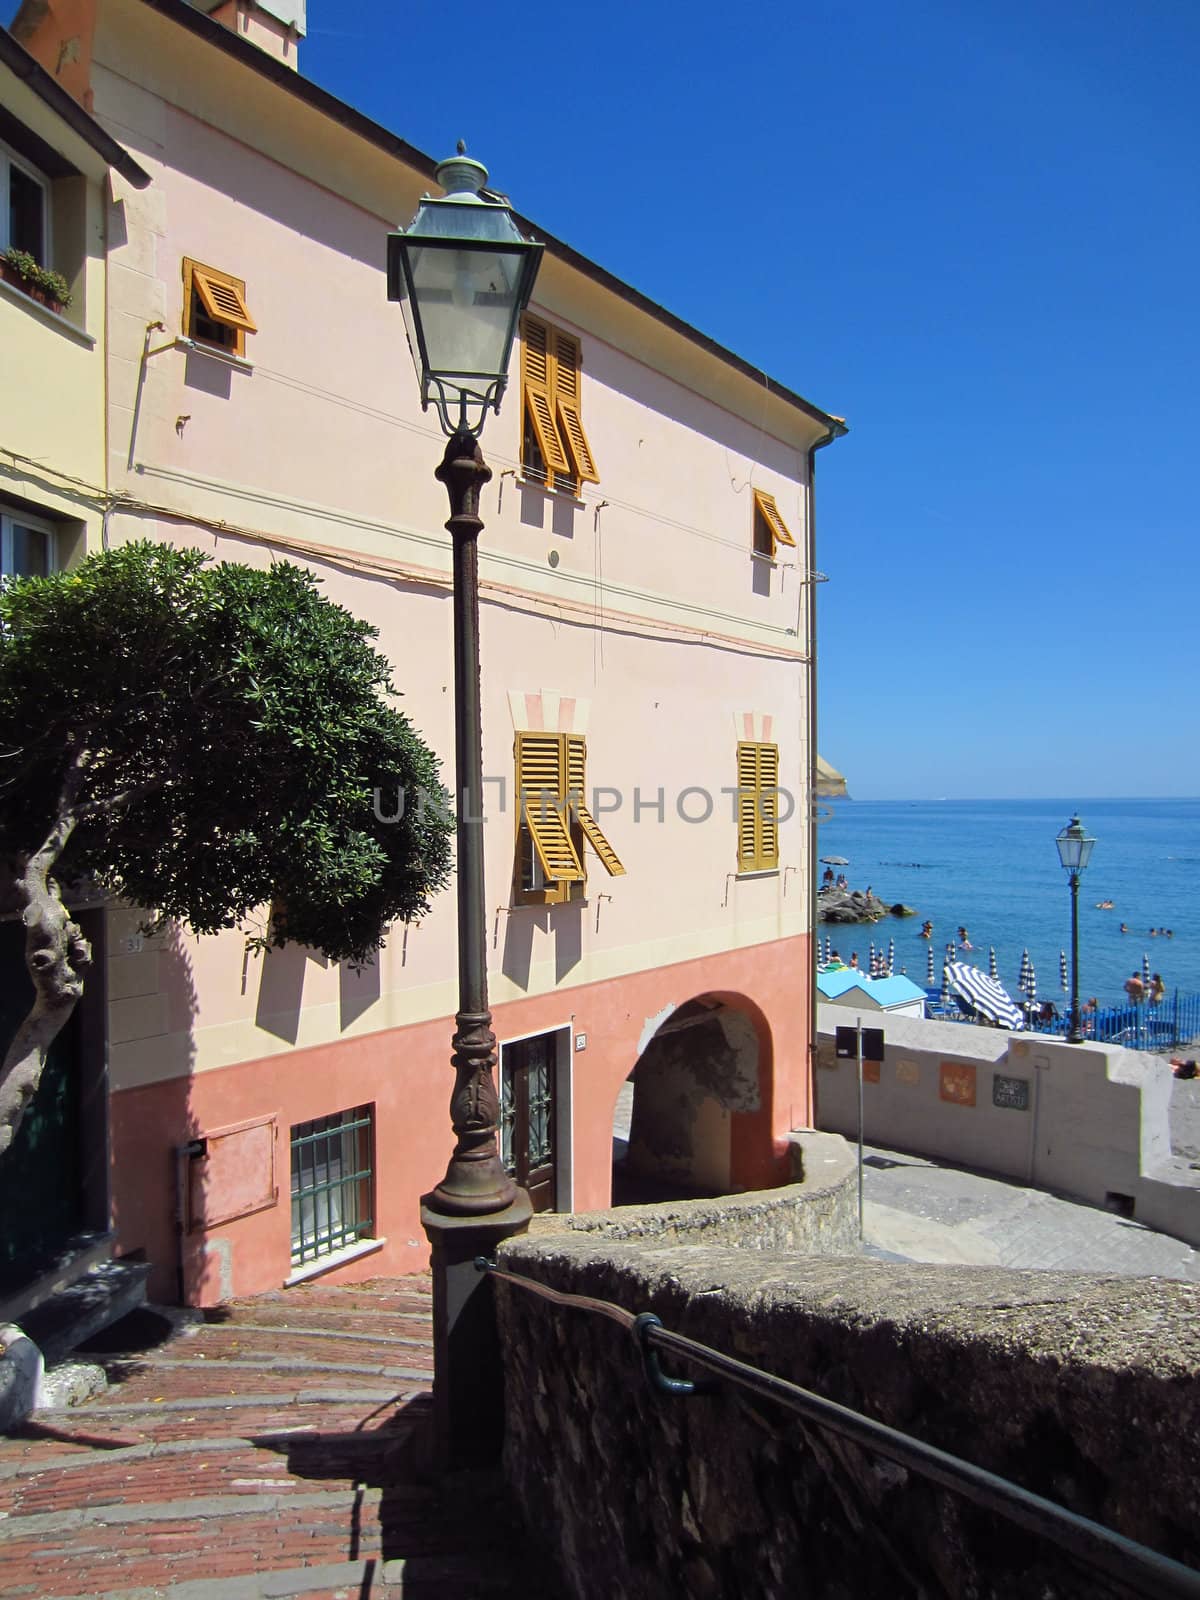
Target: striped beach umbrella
[930, 976]
[828, 947]
[891, 960]
[952, 952]
[985, 998]
[1031, 984]
[1023, 975]
[946, 984]
[1146, 971]
[993, 970]
[1062, 971]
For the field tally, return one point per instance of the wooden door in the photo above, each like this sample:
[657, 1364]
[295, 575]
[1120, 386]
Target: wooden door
[527, 1072]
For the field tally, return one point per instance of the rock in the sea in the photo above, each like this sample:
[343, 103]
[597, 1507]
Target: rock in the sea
[849, 905]
[901, 910]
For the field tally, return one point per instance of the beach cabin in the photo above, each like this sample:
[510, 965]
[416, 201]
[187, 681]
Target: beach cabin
[849, 987]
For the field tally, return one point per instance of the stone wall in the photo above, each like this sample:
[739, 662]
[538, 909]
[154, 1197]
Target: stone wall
[818, 1213]
[1080, 1119]
[1083, 1389]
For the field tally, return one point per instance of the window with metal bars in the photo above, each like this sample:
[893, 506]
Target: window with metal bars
[333, 1183]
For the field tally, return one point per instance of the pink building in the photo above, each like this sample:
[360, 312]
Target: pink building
[646, 598]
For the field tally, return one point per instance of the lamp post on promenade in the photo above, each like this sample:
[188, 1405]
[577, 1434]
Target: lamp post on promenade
[1074, 851]
[463, 273]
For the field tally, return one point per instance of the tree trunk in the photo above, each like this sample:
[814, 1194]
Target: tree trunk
[56, 956]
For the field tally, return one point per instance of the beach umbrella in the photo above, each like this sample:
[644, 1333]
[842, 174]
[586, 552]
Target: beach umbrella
[930, 977]
[1031, 984]
[891, 960]
[871, 948]
[983, 995]
[834, 861]
[993, 972]
[1023, 975]
[1062, 971]
[952, 951]
[946, 984]
[1146, 971]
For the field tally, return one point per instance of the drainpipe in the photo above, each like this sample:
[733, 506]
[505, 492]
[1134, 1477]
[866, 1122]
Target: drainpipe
[835, 432]
[185, 1154]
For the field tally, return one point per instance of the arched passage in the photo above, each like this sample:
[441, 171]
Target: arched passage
[695, 1115]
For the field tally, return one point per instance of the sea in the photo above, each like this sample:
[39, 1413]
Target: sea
[992, 866]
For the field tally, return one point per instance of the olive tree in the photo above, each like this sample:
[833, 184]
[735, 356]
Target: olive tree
[204, 741]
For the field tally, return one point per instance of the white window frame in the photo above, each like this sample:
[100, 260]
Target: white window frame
[9, 159]
[8, 516]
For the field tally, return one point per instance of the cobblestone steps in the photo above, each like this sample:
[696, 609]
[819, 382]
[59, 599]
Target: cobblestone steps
[274, 1451]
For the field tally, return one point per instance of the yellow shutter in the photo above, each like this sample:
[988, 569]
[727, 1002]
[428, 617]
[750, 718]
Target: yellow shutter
[768, 806]
[542, 798]
[577, 790]
[537, 382]
[747, 807]
[223, 298]
[764, 504]
[568, 384]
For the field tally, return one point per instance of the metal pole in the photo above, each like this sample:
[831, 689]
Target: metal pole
[858, 1053]
[477, 1205]
[1075, 1036]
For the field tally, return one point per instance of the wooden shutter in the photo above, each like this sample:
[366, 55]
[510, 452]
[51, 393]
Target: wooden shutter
[537, 387]
[223, 298]
[757, 806]
[568, 386]
[541, 795]
[764, 504]
[577, 792]
[768, 806]
[747, 807]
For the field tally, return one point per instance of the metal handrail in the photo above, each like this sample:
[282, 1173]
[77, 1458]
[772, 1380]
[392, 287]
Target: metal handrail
[1142, 1569]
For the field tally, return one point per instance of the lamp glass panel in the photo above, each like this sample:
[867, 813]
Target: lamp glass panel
[466, 301]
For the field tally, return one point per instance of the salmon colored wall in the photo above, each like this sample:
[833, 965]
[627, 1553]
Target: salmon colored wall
[406, 1074]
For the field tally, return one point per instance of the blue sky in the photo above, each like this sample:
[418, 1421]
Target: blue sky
[970, 227]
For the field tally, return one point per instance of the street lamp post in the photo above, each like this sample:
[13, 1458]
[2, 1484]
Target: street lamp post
[463, 273]
[1074, 851]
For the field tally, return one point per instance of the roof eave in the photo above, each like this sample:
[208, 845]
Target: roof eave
[22, 65]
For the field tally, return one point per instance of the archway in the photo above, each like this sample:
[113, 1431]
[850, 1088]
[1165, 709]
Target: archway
[694, 1116]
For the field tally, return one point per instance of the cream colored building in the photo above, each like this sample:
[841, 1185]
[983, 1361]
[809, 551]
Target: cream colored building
[646, 607]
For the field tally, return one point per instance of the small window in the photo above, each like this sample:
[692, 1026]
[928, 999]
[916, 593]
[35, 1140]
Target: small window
[770, 530]
[214, 308]
[757, 807]
[26, 546]
[553, 820]
[333, 1184]
[554, 444]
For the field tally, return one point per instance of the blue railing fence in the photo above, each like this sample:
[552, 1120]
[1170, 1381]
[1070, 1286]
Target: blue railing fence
[1172, 1024]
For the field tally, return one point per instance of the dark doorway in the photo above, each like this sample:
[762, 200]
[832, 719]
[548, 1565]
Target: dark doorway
[41, 1175]
[528, 1068]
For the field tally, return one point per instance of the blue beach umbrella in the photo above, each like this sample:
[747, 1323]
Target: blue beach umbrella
[993, 970]
[983, 996]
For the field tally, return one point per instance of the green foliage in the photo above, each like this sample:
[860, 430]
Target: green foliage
[248, 720]
[49, 282]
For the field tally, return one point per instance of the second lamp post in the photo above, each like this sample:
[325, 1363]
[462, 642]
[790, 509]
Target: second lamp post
[1074, 851]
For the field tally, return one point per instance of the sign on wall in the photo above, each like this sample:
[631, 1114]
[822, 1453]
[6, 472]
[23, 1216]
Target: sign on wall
[1010, 1093]
[957, 1083]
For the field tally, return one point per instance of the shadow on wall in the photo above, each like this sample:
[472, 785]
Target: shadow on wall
[522, 924]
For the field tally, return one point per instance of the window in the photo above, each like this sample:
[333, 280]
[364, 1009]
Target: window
[553, 821]
[554, 447]
[26, 546]
[332, 1184]
[770, 530]
[24, 209]
[214, 308]
[757, 807]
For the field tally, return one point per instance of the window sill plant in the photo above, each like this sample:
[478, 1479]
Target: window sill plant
[18, 267]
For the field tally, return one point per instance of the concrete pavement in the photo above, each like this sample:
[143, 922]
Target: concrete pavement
[923, 1210]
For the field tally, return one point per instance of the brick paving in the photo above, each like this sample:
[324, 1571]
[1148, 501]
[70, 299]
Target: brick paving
[274, 1451]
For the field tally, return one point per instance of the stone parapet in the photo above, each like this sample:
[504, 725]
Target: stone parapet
[1083, 1389]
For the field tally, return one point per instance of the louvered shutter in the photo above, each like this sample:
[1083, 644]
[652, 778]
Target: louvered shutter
[764, 504]
[541, 795]
[223, 299]
[568, 385]
[577, 791]
[747, 807]
[537, 382]
[768, 806]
